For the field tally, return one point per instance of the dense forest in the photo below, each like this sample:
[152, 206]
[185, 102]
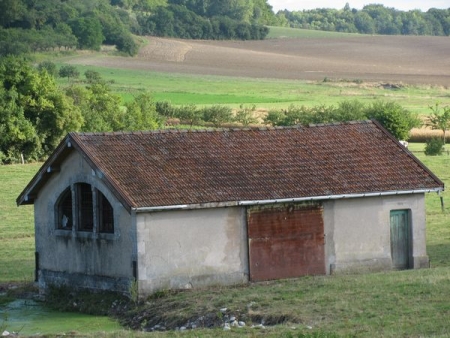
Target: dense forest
[372, 19]
[37, 25]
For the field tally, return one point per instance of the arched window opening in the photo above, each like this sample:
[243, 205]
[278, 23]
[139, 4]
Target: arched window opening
[65, 215]
[85, 207]
[105, 215]
[93, 212]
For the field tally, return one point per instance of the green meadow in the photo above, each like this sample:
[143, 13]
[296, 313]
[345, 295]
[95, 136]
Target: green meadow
[264, 93]
[287, 32]
[412, 303]
[203, 90]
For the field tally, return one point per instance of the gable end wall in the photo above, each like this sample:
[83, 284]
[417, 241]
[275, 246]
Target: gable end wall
[79, 259]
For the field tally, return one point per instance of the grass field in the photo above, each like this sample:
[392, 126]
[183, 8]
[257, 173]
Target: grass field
[411, 303]
[277, 32]
[294, 66]
[202, 90]
[16, 224]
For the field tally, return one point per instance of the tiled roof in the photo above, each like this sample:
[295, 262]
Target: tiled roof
[166, 168]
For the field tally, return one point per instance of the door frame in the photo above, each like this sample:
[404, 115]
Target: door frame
[406, 243]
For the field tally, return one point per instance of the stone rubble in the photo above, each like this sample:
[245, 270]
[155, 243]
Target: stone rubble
[229, 321]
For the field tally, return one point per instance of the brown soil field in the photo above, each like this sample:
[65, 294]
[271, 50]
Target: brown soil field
[404, 59]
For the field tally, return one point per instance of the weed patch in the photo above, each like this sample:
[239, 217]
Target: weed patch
[94, 303]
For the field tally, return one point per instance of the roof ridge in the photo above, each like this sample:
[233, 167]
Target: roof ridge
[211, 130]
[225, 165]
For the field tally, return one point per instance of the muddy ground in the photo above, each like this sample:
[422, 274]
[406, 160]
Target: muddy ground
[405, 59]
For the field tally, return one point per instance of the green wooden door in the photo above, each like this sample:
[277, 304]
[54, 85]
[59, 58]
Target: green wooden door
[400, 239]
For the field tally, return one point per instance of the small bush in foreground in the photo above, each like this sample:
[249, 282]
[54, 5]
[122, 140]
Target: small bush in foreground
[434, 146]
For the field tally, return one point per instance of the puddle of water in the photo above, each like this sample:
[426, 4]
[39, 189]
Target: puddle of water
[29, 317]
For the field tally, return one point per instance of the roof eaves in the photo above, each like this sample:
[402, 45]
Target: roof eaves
[284, 200]
[47, 169]
[414, 158]
[109, 182]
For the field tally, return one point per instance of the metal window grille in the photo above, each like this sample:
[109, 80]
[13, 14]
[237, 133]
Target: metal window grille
[106, 214]
[85, 207]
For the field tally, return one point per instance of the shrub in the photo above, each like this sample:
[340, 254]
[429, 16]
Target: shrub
[165, 109]
[392, 116]
[92, 76]
[189, 114]
[434, 146]
[275, 118]
[245, 115]
[217, 115]
[49, 66]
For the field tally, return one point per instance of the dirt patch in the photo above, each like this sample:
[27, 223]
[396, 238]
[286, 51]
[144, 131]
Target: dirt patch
[390, 59]
[165, 50]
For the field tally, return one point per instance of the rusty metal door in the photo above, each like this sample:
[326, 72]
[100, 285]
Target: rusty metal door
[400, 239]
[285, 242]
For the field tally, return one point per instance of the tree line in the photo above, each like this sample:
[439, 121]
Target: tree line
[35, 113]
[372, 19]
[29, 25]
[178, 21]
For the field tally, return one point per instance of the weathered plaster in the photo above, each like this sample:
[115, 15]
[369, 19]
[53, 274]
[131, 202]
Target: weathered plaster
[185, 249]
[64, 254]
[357, 232]
[201, 247]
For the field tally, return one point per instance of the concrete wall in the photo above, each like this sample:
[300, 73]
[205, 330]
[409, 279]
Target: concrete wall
[201, 247]
[357, 232]
[82, 259]
[194, 248]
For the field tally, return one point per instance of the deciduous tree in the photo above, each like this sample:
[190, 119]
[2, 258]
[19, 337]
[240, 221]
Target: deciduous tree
[69, 71]
[439, 119]
[44, 107]
[396, 119]
[141, 114]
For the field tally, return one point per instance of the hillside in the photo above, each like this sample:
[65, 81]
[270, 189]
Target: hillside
[395, 59]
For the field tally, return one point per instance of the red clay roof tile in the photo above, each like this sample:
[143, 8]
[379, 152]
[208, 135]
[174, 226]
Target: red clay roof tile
[188, 167]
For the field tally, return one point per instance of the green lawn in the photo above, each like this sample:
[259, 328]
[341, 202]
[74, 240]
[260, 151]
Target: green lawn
[438, 222]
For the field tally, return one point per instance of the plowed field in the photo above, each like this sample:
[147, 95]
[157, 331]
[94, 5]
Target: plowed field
[406, 59]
